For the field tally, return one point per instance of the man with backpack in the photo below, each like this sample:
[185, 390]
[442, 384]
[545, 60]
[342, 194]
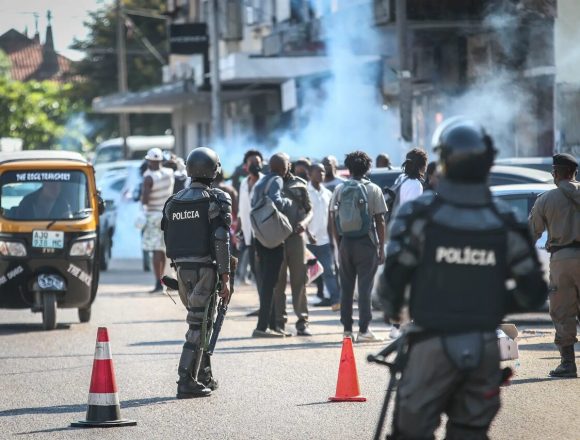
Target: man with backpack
[299, 215]
[271, 227]
[357, 215]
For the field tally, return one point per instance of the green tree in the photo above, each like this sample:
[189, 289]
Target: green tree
[37, 113]
[99, 68]
[4, 65]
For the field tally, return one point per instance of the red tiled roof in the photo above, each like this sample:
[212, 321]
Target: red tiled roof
[27, 64]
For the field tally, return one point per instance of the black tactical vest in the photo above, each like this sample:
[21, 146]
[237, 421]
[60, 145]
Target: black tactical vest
[186, 225]
[459, 284]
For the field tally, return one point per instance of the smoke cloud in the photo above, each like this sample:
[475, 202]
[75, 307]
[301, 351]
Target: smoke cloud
[342, 110]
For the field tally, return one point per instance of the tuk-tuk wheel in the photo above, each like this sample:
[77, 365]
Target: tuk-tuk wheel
[49, 311]
[85, 315]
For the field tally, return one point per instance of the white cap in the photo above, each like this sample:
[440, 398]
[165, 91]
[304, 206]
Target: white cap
[154, 154]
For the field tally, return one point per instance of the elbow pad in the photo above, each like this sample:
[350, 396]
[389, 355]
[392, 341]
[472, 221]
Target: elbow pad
[221, 245]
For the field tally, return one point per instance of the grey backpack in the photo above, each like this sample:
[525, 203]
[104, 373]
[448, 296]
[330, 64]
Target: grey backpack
[270, 226]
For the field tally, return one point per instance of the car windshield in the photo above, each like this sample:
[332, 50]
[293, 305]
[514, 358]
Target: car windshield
[44, 195]
[108, 154]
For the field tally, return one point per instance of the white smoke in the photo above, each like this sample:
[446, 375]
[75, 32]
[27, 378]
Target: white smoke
[346, 112]
[342, 110]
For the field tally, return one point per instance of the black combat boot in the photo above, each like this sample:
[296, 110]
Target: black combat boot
[567, 367]
[187, 387]
[205, 375]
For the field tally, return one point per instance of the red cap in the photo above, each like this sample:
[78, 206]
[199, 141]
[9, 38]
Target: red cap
[102, 334]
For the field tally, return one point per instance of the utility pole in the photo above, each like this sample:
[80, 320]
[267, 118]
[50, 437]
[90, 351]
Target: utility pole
[124, 128]
[216, 104]
[405, 80]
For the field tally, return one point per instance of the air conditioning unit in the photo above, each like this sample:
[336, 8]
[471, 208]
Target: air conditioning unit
[384, 11]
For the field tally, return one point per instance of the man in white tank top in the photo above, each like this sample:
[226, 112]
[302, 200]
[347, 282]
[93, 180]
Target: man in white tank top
[157, 188]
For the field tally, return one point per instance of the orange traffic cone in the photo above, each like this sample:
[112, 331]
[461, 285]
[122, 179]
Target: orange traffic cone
[347, 388]
[103, 410]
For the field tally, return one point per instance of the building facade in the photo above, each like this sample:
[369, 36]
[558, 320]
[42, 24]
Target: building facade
[283, 62]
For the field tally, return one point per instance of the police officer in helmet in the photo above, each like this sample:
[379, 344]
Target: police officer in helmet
[196, 223]
[455, 250]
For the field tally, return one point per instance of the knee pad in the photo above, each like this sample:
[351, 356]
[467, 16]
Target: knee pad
[193, 335]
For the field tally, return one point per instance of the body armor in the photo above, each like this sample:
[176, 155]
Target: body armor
[196, 225]
[459, 283]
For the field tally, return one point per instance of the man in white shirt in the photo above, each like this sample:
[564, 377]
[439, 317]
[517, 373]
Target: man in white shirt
[253, 165]
[318, 229]
[411, 181]
[157, 188]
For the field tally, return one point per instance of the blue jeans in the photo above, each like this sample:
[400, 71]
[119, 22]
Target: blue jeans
[324, 254]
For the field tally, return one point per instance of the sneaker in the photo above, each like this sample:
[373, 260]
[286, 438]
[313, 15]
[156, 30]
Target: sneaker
[305, 331]
[335, 307]
[325, 302]
[281, 330]
[368, 336]
[348, 335]
[395, 332]
[268, 333]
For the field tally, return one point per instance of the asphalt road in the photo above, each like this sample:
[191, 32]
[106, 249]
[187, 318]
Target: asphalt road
[269, 389]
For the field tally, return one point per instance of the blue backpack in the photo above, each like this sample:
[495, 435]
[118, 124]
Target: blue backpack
[352, 209]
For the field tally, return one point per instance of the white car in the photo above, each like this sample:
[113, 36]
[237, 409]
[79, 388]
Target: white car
[522, 198]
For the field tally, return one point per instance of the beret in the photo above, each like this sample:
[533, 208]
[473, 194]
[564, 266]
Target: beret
[565, 159]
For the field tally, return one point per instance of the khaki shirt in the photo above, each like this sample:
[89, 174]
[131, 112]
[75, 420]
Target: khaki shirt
[376, 201]
[558, 212]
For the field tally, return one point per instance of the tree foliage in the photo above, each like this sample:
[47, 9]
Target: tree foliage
[99, 67]
[38, 113]
[4, 65]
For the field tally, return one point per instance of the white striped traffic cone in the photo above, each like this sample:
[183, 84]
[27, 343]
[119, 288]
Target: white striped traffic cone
[103, 410]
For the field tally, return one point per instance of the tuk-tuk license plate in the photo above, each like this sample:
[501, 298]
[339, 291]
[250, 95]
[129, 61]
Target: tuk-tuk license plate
[48, 239]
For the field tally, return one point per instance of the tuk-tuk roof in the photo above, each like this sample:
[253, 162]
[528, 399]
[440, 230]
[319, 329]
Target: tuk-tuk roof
[50, 155]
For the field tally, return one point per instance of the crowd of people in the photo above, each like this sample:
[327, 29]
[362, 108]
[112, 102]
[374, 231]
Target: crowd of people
[318, 201]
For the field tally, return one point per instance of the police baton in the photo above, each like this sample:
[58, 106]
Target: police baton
[222, 309]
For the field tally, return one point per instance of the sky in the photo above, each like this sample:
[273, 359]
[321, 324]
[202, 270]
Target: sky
[67, 19]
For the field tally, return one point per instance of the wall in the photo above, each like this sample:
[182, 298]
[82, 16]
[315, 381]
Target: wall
[567, 96]
[567, 36]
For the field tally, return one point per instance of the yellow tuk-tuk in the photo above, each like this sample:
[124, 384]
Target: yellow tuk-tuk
[49, 227]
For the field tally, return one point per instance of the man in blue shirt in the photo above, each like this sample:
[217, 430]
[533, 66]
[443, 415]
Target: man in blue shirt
[270, 260]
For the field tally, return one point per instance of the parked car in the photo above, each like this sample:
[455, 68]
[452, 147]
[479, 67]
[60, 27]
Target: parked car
[537, 163]
[103, 170]
[510, 175]
[522, 198]
[499, 175]
[111, 186]
[111, 150]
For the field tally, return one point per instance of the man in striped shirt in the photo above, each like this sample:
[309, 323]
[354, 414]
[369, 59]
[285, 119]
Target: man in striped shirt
[157, 188]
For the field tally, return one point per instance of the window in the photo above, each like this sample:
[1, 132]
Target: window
[44, 195]
[520, 204]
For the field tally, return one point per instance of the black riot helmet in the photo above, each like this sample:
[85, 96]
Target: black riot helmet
[203, 163]
[466, 151]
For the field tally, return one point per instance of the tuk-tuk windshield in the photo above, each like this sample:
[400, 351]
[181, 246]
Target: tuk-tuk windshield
[44, 195]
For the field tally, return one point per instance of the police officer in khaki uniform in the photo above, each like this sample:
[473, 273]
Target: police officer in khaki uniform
[558, 212]
[196, 223]
[455, 250]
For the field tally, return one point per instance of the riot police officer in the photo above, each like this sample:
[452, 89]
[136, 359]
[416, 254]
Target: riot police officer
[196, 223]
[455, 250]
